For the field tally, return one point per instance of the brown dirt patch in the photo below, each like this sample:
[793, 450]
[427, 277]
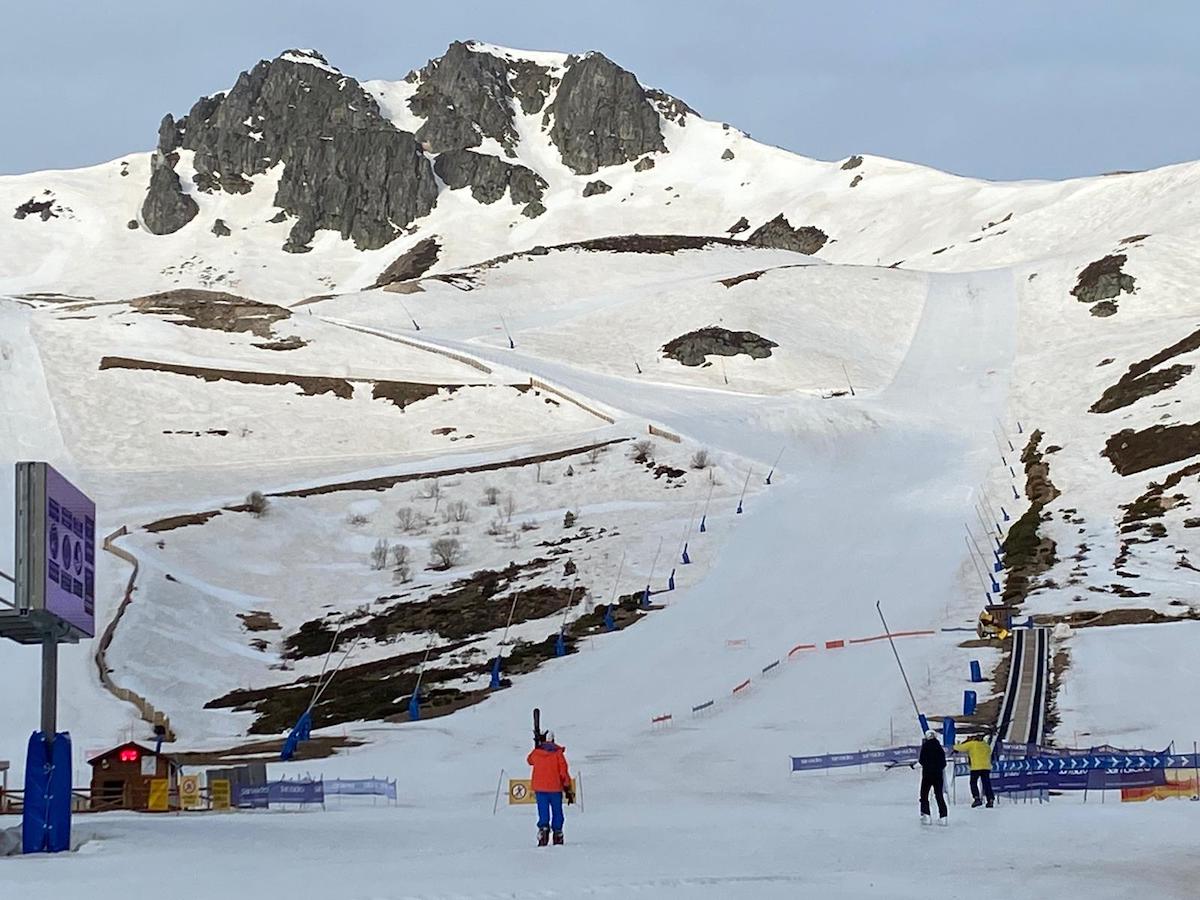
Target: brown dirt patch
[1132, 451]
[258, 620]
[213, 310]
[1141, 381]
[413, 263]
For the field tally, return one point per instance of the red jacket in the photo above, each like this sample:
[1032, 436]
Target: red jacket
[550, 772]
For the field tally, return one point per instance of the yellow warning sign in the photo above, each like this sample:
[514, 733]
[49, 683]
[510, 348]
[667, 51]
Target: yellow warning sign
[520, 790]
[189, 791]
[219, 794]
[158, 795]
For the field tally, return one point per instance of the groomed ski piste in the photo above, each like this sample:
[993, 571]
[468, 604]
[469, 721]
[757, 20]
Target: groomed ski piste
[869, 507]
[974, 341]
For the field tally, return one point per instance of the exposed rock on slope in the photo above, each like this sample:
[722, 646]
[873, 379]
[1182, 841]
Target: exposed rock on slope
[166, 208]
[602, 116]
[1103, 280]
[346, 168]
[465, 96]
[691, 349]
[489, 177]
[411, 264]
[780, 235]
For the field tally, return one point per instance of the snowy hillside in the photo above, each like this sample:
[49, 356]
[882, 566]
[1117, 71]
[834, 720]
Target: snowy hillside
[492, 341]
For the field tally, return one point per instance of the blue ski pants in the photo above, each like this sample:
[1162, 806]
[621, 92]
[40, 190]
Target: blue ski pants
[550, 814]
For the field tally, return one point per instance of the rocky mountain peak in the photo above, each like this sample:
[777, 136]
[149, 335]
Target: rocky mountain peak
[346, 167]
[602, 116]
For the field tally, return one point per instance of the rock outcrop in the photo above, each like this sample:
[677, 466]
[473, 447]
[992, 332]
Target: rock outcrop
[413, 263]
[780, 235]
[1103, 280]
[346, 167]
[602, 116]
[489, 177]
[465, 96]
[592, 188]
[166, 208]
[691, 349]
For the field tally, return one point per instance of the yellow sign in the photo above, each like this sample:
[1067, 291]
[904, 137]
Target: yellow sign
[158, 795]
[219, 793]
[189, 791]
[520, 790]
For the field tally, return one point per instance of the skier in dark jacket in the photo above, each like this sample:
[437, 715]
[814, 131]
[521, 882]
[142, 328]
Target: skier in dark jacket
[933, 775]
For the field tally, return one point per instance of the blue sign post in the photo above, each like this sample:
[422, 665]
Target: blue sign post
[55, 582]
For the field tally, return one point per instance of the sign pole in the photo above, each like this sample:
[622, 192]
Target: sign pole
[49, 688]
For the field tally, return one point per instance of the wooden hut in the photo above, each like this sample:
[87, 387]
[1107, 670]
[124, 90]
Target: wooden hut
[121, 776]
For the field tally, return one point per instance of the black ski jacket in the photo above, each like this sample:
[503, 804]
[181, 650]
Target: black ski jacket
[932, 758]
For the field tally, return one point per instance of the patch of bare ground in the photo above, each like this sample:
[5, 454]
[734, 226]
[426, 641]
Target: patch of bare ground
[735, 280]
[317, 747]
[213, 310]
[401, 393]
[1143, 381]
[1027, 552]
[1132, 451]
[1111, 617]
[258, 620]
[380, 690]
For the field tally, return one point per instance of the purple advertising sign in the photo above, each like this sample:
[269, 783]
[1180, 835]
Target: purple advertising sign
[70, 574]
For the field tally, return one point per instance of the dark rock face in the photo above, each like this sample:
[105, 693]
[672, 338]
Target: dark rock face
[166, 208]
[413, 263]
[856, 181]
[644, 165]
[43, 209]
[465, 96]
[531, 84]
[220, 229]
[346, 168]
[533, 210]
[742, 224]
[672, 108]
[728, 154]
[691, 349]
[596, 187]
[602, 116]
[1103, 280]
[132, 225]
[779, 234]
[489, 177]
[852, 163]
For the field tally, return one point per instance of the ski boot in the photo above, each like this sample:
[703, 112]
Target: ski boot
[558, 839]
[543, 837]
[925, 820]
[990, 804]
[944, 821]
[976, 803]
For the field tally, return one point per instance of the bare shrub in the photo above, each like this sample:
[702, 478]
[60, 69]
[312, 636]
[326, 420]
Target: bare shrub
[401, 569]
[701, 459]
[430, 490]
[529, 525]
[508, 506]
[496, 527]
[407, 519]
[491, 496]
[713, 478]
[458, 511]
[593, 455]
[569, 519]
[379, 555]
[357, 520]
[444, 553]
[642, 451]
[257, 504]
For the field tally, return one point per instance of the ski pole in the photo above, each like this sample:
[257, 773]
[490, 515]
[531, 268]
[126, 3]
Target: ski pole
[896, 653]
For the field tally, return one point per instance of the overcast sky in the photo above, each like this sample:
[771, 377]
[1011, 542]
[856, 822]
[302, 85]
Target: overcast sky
[1009, 90]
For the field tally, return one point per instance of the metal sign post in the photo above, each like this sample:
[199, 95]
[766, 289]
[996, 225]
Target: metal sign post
[54, 603]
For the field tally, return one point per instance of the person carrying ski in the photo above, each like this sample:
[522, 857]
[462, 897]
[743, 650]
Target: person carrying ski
[551, 780]
[933, 775]
[979, 761]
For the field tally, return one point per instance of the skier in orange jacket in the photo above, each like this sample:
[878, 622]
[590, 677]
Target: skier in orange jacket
[551, 780]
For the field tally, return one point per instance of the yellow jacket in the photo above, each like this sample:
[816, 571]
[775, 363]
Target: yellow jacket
[979, 754]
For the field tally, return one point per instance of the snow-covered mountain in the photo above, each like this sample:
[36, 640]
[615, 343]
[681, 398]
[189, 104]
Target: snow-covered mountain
[520, 302]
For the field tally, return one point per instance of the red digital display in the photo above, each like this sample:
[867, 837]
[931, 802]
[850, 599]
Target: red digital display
[129, 754]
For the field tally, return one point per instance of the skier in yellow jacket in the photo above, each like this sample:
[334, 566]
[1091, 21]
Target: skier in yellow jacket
[979, 761]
